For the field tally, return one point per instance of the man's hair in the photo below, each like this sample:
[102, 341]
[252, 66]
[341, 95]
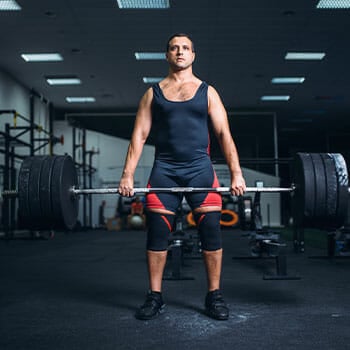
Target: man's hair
[179, 35]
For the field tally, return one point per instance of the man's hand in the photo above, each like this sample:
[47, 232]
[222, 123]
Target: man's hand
[238, 185]
[126, 186]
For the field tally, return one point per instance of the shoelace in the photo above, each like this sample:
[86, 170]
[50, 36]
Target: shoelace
[151, 301]
[217, 300]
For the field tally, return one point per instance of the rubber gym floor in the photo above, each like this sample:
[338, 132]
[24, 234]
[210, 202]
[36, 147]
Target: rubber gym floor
[80, 291]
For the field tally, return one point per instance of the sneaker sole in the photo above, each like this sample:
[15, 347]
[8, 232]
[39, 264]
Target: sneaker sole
[147, 318]
[219, 318]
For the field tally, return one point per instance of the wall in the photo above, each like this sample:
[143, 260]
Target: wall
[13, 96]
[109, 161]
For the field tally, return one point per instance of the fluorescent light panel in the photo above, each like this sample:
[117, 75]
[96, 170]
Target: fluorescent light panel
[80, 99]
[275, 98]
[9, 5]
[333, 4]
[63, 81]
[143, 4]
[287, 80]
[42, 57]
[150, 55]
[151, 80]
[305, 55]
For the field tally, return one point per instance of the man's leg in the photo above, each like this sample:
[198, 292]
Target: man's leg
[159, 228]
[156, 264]
[213, 265]
[209, 231]
[214, 301]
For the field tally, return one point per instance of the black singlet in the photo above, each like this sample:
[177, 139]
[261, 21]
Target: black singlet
[181, 127]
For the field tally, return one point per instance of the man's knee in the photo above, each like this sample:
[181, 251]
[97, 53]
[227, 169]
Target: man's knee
[208, 224]
[159, 228]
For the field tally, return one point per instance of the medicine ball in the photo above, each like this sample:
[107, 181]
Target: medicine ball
[136, 221]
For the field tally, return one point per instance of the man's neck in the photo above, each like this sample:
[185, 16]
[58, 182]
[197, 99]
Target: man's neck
[181, 76]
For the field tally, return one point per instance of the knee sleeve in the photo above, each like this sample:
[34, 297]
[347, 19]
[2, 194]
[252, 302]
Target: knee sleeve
[209, 230]
[159, 228]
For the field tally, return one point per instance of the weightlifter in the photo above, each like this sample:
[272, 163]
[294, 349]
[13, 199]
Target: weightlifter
[179, 109]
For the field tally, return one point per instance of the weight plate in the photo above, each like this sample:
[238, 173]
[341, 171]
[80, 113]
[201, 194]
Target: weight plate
[320, 187]
[343, 188]
[64, 204]
[23, 185]
[331, 188]
[303, 200]
[37, 222]
[45, 191]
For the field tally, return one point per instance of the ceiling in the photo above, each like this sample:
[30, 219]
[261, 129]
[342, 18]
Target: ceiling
[240, 46]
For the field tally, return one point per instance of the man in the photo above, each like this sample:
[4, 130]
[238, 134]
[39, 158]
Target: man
[178, 109]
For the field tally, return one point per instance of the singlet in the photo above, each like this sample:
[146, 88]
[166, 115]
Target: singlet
[180, 128]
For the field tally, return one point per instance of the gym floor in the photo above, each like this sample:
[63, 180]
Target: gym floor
[80, 291]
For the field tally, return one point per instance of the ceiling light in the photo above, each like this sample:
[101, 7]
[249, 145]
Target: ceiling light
[80, 99]
[42, 57]
[290, 80]
[275, 98]
[63, 81]
[143, 4]
[151, 80]
[305, 55]
[9, 5]
[333, 4]
[150, 55]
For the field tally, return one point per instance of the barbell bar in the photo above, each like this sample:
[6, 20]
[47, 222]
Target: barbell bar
[48, 191]
[145, 190]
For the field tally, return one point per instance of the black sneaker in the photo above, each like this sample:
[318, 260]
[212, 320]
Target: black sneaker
[215, 305]
[152, 307]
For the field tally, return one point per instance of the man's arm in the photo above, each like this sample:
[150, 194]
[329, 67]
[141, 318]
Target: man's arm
[222, 131]
[142, 127]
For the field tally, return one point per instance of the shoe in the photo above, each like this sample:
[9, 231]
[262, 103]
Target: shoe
[152, 307]
[215, 305]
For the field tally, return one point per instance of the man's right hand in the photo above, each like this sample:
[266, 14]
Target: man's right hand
[126, 186]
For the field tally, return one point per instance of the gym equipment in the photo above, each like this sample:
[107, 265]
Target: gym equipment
[179, 242]
[48, 191]
[136, 221]
[229, 218]
[265, 244]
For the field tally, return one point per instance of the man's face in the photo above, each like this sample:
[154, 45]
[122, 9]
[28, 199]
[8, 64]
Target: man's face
[180, 54]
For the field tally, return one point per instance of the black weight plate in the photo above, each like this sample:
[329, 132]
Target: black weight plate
[303, 200]
[22, 188]
[320, 187]
[45, 191]
[64, 204]
[332, 189]
[36, 216]
[343, 188]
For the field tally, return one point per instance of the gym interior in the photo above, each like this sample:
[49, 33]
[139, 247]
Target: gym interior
[73, 265]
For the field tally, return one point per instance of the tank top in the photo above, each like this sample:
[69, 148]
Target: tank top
[180, 128]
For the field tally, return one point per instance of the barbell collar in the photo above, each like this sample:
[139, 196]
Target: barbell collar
[77, 191]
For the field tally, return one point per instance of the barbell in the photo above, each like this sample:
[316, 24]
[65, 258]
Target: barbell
[48, 191]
